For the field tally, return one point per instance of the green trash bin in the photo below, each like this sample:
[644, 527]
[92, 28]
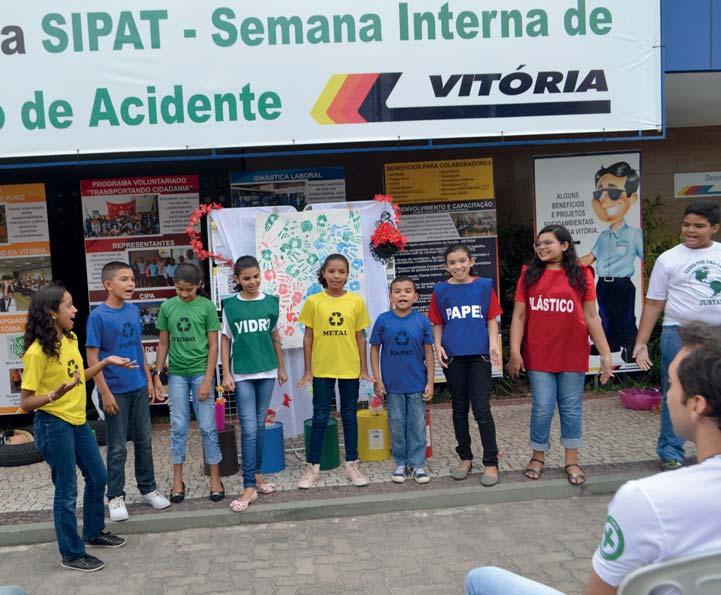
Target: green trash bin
[329, 456]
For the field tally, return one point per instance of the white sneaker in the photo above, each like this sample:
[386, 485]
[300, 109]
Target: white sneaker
[354, 475]
[117, 509]
[399, 475]
[420, 476]
[310, 477]
[156, 500]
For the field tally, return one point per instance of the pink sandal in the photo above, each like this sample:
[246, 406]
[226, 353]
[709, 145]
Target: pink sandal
[241, 505]
[266, 487]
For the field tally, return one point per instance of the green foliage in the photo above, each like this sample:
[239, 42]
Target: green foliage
[515, 248]
[657, 238]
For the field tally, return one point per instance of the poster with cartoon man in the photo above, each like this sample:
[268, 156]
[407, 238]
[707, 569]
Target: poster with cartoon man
[597, 197]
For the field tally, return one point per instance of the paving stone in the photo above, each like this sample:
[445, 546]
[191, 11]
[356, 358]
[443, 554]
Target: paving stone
[613, 435]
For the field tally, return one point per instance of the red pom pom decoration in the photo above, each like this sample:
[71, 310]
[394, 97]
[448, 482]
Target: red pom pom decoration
[195, 242]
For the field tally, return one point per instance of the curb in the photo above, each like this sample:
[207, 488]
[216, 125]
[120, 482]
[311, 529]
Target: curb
[159, 522]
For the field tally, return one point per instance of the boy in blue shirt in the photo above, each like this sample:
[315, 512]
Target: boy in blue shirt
[115, 327]
[402, 343]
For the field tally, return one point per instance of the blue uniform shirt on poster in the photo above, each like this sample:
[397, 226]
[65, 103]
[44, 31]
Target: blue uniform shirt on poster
[616, 251]
[116, 331]
[403, 340]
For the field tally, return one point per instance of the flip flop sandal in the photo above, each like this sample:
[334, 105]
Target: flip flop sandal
[575, 479]
[241, 505]
[536, 472]
[267, 487]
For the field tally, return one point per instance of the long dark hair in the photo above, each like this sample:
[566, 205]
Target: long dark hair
[189, 273]
[40, 324]
[324, 266]
[244, 262]
[574, 269]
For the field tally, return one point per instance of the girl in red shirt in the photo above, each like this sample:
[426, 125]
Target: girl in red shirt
[555, 311]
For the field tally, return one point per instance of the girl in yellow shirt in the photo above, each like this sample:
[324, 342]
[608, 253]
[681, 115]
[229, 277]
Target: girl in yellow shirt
[334, 349]
[53, 385]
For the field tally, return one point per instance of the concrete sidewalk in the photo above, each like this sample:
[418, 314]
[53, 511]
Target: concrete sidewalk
[619, 445]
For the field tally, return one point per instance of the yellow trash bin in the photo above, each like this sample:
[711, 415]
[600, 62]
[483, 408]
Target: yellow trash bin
[374, 437]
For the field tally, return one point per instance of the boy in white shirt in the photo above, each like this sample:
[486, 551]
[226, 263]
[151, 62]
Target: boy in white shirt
[666, 516]
[686, 286]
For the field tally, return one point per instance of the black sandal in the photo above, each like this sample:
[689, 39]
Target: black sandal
[218, 496]
[575, 479]
[536, 472]
[178, 497]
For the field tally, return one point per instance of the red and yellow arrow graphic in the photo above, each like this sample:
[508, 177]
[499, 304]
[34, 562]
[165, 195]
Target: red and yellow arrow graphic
[342, 97]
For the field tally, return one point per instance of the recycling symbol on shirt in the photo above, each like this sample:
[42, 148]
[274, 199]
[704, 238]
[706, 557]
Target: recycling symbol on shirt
[72, 368]
[128, 330]
[335, 319]
[612, 542]
[184, 325]
[402, 339]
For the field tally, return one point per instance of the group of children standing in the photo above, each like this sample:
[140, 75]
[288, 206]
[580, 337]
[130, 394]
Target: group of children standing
[555, 312]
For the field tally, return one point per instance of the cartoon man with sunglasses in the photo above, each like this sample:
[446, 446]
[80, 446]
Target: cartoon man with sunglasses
[615, 253]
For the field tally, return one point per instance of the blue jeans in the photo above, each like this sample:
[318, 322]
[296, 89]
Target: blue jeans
[407, 417]
[179, 390]
[133, 414]
[669, 446]
[547, 390]
[64, 446]
[489, 580]
[322, 398]
[252, 398]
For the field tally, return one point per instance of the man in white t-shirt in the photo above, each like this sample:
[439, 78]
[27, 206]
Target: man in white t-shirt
[666, 516]
[686, 286]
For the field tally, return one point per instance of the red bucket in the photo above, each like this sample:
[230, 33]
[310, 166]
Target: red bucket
[429, 436]
[641, 399]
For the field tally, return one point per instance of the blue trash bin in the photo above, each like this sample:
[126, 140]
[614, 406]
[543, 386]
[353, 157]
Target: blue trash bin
[273, 449]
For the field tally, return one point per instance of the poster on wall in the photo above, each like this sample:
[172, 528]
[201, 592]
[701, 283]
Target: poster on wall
[697, 185]
[221, 273]
[295, 187]
[24, 268]
[444, 203]
[598, 198]
[291, 248]
[140, 221]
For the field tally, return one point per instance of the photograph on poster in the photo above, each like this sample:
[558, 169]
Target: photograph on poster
[148, 318]
[156, 268]
[16, 379]
[3, 225]
[21, 278]
[269, 194]
[116, 216]
[297, 187]
[475, 225]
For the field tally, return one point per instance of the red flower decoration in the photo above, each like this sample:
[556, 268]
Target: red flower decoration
[287, 400]
[387, 233]
[387, 239]
[195, 242]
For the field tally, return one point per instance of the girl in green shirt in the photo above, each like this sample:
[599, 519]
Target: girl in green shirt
[189, 325]
[252, 361]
